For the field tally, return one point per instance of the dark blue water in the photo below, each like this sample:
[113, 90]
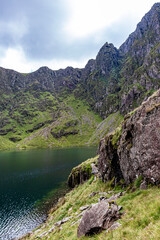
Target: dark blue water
[28, 176]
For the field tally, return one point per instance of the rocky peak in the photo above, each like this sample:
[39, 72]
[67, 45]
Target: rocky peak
[90, 66]
[68, 72]
[48, 79]
[107, 58]
[11, 81]
[44, 69]
[42, 79]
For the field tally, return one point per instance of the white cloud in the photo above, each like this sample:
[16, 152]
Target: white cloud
[89, 25]
[90, 16]
[15, 59]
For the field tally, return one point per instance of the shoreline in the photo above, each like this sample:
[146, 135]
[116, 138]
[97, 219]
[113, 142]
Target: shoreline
[53, 206]
[53, 148]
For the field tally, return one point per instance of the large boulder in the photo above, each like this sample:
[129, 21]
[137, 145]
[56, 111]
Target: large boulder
[99, 217]
[134, 149]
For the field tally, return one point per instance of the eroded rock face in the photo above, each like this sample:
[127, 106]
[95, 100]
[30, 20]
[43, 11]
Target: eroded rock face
[139, 145]
[99, 217]
[138, 148]
[110, 167]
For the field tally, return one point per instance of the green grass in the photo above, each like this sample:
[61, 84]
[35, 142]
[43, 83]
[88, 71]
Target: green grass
[116, 136]
[31, 109]
[140, 221]
[5, 144]
[106, 126]
[71, 110]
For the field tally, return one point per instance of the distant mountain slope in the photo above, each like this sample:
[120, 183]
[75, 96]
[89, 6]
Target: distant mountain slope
[43, 120]
[117, 80]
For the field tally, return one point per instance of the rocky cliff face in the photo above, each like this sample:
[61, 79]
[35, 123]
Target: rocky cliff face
[120, 79]
[147, 31]
[43, 79]
[134, 149]
[141, 60]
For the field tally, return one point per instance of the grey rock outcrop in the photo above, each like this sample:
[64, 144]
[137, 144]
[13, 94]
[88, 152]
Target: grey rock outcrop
[108, 59]
[108, 161]
[149, 26]
[101, 216]
[134, 150]
[141, 61]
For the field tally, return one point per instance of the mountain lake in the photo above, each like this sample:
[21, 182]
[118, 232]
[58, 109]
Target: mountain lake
[30, 182]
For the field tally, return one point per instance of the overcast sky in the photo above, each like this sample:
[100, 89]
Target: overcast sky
[61, 33]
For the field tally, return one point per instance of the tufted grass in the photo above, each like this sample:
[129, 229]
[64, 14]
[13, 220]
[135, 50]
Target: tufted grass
[140, 221]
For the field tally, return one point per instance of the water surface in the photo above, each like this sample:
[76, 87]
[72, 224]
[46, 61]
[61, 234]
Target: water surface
[28, 176]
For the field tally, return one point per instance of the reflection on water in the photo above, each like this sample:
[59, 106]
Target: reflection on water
[25, 178]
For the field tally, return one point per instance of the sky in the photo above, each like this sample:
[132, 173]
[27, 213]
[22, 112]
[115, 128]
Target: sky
[61, 33]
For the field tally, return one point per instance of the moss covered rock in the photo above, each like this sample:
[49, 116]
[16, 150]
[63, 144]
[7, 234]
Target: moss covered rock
[81, 173]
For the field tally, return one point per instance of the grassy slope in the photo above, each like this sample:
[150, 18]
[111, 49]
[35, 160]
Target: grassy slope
[141, 220]
[54, 113]
[71, 110]
[22, 114]
[5, 144]
[106, 126]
